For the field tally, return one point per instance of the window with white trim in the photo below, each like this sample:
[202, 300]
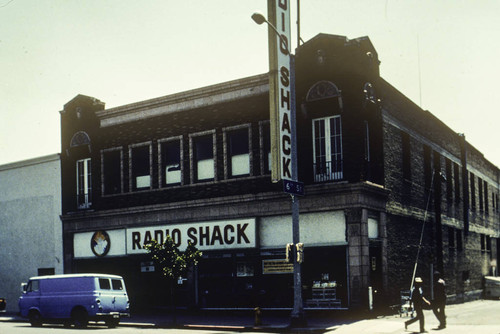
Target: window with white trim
[140, 166]
[237, 149]
[170, 151]
[202, 152]
[112, 171]
[83, 183]
[327, 149]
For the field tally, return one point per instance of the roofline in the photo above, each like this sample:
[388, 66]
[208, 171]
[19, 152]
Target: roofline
[187, 100]
[31, 162]
[74, 276]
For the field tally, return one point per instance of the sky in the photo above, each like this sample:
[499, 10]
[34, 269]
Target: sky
[444, 55]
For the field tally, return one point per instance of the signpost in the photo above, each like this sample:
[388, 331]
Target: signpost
[283, 126]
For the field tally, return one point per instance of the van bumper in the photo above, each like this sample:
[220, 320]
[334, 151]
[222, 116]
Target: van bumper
[112, 315]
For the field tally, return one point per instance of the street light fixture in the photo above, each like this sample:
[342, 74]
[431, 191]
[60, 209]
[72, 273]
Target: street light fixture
[259, 19]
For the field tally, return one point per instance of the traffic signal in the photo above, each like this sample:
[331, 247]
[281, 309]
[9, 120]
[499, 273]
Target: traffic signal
[300, 252]
[289, 253]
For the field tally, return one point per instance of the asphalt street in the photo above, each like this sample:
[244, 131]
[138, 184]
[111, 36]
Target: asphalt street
[477, 317]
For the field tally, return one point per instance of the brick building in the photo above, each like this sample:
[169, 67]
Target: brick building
[195, 165]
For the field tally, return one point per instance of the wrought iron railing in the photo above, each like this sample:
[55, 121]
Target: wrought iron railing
[328, 171]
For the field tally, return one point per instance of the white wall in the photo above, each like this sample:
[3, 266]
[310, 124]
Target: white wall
[30, 227]
[316, 229]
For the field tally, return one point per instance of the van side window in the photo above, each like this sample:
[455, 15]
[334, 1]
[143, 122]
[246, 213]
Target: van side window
[33, 286]
[104, 284]
[117, 284]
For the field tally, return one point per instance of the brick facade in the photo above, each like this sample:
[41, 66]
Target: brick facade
[388, 165]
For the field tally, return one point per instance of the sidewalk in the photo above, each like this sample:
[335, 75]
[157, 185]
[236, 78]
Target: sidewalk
[240, 321]
[481, 317]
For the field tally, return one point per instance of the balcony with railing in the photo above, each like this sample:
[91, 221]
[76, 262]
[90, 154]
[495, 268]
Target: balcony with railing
[328, 171]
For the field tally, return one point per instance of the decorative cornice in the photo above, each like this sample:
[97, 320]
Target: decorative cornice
[188, 100]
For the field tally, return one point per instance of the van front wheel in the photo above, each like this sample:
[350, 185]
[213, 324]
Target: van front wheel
[79, 318]
[35, 318]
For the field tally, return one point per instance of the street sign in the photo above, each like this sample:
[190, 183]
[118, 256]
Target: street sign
[293, 187]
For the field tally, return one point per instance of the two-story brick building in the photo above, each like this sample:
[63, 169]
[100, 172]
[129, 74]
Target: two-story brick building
[196, 165]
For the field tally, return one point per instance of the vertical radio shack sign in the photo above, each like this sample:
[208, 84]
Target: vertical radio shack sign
[280, 98]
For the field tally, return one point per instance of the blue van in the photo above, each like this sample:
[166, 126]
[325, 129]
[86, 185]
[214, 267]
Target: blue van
[75, 299]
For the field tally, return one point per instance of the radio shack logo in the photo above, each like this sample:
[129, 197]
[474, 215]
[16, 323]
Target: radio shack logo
[100, 243]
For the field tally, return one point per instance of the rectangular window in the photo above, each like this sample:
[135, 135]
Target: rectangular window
[486, 203]
[46, 271]
[117, 284]
[203, 157]
[327, 149]
[140, 166]
[171, 161]
[427, 170]
[451, 237]
[83, 183]
[112, 171]
[497, 208]
[449, 184]
[460, 245]
[405, 143]
[237, 151]
[367, 142]
[483, 243]
[265, 148]
[456, 174]
[104, 284]
[472, 192]
[480, 193]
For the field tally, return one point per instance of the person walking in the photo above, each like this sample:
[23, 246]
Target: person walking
[418, 300]
[439, 302]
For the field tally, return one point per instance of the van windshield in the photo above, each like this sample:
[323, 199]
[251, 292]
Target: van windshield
[33, 286]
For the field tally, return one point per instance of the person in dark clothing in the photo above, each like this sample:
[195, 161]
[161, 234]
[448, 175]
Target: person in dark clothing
[418, 301]
[439, 301]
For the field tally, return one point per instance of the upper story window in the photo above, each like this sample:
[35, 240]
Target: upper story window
[456, 173]
[486, 199]
[480, 193]
[427, 168]
[405, 143]
[112, 171]
[472, 191]
[449, 184]
[140, 166]
[327, 148]
[237, 150]
[202, 147]
[83, 183]
[265, 147]
[170, 152]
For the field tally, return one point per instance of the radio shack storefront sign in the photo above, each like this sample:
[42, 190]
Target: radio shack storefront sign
[214, 235]
[205, 236]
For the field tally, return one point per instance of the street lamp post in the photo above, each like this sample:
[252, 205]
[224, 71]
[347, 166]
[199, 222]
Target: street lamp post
[297, 315]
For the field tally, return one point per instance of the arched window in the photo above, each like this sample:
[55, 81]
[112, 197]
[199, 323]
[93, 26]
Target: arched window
[80, 138]
[322, 90]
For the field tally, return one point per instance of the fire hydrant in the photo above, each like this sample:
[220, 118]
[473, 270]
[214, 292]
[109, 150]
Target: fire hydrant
[258, 316]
